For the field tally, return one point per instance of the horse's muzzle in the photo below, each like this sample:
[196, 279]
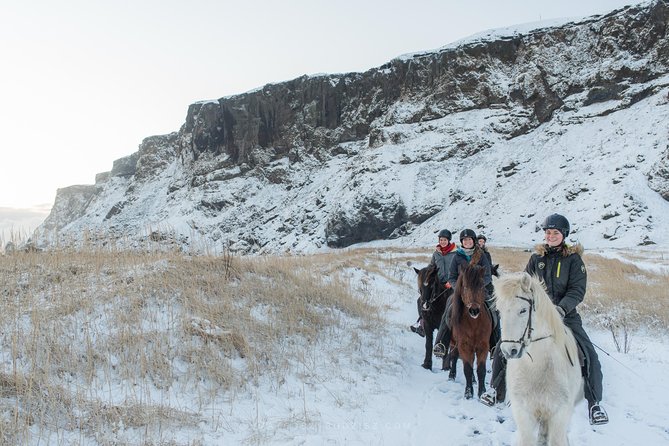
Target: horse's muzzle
[512, 350]
[474, 312]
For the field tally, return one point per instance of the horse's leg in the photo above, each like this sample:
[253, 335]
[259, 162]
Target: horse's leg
[558, 424]
[468, 367]
[453, 355]
[429, 338]
[481, 357]
[525, 423]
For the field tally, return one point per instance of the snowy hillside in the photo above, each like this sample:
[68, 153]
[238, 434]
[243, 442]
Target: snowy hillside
[491, 133]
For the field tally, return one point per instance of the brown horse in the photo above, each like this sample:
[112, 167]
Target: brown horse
[471, 326]
[431, 304]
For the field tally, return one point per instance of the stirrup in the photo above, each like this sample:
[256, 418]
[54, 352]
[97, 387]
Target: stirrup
[598, 415]
[489, 397]
[439, 350]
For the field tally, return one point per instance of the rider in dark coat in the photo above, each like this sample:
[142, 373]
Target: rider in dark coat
[482, 240]
[442, 257]
[562, 271]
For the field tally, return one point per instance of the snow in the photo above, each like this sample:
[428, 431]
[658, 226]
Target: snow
[381, 395]
[400, 403]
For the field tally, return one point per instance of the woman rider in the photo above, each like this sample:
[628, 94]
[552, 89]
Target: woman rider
[562, 271]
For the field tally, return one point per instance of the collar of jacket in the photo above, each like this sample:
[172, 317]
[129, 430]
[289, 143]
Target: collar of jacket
[566, 250]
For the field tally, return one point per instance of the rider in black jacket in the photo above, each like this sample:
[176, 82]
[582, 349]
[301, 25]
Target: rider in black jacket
[562, 271]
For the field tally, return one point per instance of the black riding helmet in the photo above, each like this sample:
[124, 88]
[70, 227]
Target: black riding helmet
[482, 237]
[445, 233]
[467, 233]
[557, 221]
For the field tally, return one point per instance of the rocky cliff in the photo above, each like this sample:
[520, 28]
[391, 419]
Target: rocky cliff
[569, 118]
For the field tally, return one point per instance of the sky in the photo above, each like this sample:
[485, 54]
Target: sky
[83, 82]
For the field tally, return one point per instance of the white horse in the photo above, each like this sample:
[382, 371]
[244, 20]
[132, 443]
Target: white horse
[543, 373]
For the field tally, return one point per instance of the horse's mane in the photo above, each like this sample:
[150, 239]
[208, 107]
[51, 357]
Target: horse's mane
[518, 284]
[471, 278]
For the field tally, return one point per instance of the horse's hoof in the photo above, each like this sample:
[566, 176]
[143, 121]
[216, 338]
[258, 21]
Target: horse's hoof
[427, 366]
[469, 394]
[451, 378]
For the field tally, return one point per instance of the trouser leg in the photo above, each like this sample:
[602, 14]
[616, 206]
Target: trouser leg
[498, 379]
[593, 369]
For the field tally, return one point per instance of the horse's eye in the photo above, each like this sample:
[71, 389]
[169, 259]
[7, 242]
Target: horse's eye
[523, 311]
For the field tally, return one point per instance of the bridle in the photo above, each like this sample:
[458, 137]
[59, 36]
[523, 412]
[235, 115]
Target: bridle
[428, 302]
[526, 337]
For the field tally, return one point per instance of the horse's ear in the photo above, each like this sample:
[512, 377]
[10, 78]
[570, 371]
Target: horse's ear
[526, 281]
[495, 270]
[416, 269]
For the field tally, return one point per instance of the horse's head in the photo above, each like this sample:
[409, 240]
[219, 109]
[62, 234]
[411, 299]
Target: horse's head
[521, 300]
[428, 282]
[472, 291]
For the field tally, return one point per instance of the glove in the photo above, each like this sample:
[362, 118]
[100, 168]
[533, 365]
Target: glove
[560, 310]
[447, 285]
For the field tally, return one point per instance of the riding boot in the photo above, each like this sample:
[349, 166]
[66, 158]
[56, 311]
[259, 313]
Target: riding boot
[418, 328]
[497, 391]
[597, 414]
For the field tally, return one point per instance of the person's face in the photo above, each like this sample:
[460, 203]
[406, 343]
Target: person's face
[468, 242]
[553, 237]
[481, 242]
[443, 241]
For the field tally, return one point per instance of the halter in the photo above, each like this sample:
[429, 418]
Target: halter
[526, 338]
[426, 304]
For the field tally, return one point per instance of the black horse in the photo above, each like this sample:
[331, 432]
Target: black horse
[431, 305]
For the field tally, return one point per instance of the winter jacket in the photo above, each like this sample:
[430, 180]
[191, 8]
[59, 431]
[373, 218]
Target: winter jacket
[487, 254]
[443, 262]
[462, 260]
[563, 272]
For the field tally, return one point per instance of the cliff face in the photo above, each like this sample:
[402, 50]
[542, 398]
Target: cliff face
[341, 159]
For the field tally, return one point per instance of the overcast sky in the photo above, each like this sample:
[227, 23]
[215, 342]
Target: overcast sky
[84, 81]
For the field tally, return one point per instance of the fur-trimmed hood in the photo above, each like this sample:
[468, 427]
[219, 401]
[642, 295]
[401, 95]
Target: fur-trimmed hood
[567, 250]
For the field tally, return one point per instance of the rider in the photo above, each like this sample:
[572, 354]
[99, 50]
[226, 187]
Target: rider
[481, 240]
[442, 258]
[468, 253]
[562, 270]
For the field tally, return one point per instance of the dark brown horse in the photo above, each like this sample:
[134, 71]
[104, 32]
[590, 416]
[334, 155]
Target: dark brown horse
[431, 304]
[471, 327]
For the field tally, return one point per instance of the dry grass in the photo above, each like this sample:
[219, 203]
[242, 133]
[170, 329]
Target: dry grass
[89, 338]
[621, 297]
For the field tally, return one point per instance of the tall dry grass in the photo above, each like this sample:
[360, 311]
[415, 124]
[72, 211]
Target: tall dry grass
[89, 338]
[105, 346]
[621, 297]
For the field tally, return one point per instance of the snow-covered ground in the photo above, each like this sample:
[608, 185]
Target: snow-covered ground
[382, 395]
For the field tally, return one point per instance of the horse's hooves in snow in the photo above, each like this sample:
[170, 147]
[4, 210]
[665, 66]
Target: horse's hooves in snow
[427, 366]
[469, 394]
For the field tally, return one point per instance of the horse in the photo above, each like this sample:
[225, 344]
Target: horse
[543, 373]
[432, 302]
[471, 326]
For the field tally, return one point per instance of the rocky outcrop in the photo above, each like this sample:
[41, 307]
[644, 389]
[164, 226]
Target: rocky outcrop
[70, 204]
[658, 177]
[274, 163]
